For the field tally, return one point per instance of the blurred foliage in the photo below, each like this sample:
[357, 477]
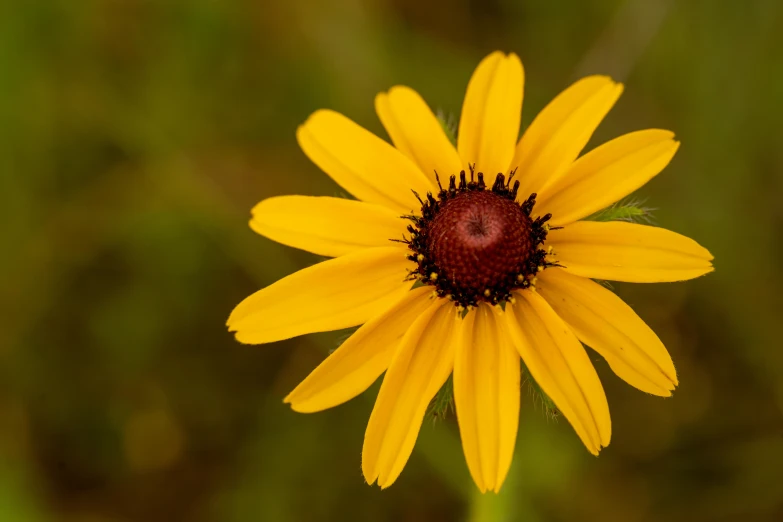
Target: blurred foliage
[135, 136]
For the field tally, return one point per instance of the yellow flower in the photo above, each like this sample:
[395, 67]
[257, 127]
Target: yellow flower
[465, 273]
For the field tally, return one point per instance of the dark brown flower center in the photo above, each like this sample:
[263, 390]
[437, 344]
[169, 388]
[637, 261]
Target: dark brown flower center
[474, 244]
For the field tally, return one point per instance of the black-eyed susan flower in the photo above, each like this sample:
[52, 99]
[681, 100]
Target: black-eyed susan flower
[462, 260]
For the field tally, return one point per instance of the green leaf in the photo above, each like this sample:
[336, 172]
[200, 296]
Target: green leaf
[449, 126]
[417, 284]
[342, 337]
[443, 401]
[535, 391]
[629, 210]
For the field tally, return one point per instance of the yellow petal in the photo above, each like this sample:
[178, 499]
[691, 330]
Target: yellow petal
[560, 131]
[361, 359]
[604, 322]
[607, 174]
[491, 112]
[559, 364]
[362, 163]
[334, 294]
[326, 226]
[420, 366]
[486, 393]
[619, 251]
[415, 131]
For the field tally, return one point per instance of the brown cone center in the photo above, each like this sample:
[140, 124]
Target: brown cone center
[479, 240]
[474, 243]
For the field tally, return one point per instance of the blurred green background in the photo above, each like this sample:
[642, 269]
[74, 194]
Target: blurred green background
[136, 135]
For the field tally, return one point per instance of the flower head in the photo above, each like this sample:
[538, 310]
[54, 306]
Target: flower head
[462, 260]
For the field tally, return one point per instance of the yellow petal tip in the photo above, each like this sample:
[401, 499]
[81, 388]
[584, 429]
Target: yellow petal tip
[320, 113]
[314, 119]
[369, 477]
[231, 323]
[381, 99]
[232, 320]
[398, 89]
[301, 132]
[302, 405]
[600, 78]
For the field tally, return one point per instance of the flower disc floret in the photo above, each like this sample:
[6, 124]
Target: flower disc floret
[474, 243]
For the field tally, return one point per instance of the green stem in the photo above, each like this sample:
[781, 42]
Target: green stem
[511, 504]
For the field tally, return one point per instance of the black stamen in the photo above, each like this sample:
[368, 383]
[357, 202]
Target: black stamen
[481, 185]
[452, 185]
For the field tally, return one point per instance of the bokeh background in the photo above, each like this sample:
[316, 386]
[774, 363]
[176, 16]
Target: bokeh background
[135, 137]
